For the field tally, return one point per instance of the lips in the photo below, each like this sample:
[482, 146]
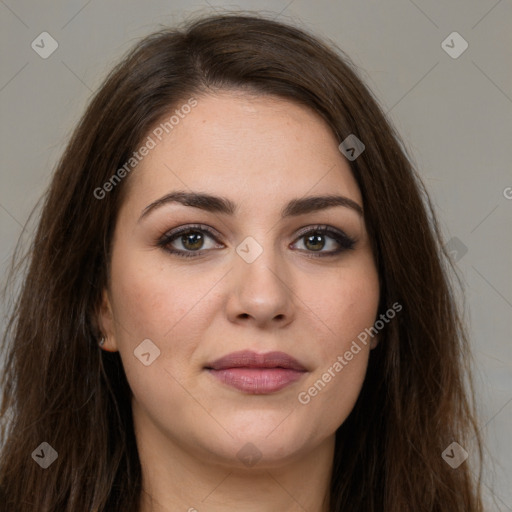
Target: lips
[256, 373]
[250, 359]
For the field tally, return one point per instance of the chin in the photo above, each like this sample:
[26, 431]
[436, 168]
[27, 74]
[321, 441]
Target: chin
[264, 445]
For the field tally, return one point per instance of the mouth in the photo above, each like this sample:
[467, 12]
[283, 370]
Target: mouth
[255, 373]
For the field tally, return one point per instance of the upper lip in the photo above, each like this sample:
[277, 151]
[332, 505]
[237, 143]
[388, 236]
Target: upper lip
[250, 359]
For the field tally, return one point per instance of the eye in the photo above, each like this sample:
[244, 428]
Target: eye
[314, 241]
[191, 238]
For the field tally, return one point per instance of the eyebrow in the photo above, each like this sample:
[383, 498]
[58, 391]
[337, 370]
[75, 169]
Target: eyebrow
[216, 204]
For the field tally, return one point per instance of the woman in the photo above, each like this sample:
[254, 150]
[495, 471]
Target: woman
[237, 297]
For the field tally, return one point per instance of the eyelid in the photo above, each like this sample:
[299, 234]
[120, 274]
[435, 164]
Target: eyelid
[325, 228]
[192, 227]
[345, 242]
[174, 233]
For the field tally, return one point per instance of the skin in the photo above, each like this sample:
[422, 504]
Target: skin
[260, 152]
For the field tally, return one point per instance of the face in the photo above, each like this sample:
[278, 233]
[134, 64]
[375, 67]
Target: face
[193, 283]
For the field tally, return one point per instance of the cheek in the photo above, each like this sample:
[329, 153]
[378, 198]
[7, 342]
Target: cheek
[332, 390]
[170, 307]
[151, 299]
[153, 303]
[332, 393]
[346, 306]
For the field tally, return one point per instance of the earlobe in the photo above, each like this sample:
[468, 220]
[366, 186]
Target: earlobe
[375, 341]
[105, 320]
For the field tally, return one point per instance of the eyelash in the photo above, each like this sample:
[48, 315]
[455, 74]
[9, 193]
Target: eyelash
[343, 240]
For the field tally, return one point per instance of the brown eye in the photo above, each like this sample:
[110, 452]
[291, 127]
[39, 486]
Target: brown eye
[192, 241]
[315, 240]
[187, 241]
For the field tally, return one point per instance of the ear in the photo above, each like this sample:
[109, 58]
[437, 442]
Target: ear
[375, 341]
[106, 324]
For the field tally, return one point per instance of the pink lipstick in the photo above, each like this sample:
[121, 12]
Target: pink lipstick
[255, 373]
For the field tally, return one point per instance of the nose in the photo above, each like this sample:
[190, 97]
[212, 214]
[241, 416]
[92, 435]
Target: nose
[261, 292]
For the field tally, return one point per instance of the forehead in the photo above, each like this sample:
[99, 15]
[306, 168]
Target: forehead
[251, 148]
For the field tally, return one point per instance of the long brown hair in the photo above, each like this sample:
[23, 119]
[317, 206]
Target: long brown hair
[60, 388]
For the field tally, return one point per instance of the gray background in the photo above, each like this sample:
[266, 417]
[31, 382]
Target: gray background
[455, 115]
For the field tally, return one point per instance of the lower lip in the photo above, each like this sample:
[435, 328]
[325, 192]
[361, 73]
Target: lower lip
[257, 381]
